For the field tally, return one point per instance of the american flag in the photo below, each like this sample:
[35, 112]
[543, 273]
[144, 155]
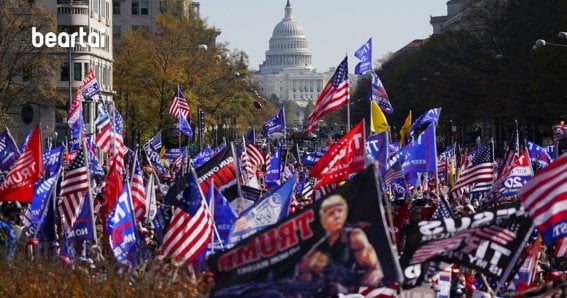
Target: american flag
[393, 173]
[191, 226]
[119, 149]
[138, 191]
[73, 188]
[480, 169]
[334, 95]
[443, 210]
[179, 105]
[103, 136]
[255, 154]
[544, 197]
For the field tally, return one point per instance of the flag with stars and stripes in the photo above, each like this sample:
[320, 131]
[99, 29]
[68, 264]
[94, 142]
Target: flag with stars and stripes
[480, 169]
[334, 95]
[191, 226]
[379, 94]
[138, 190]
[179, 105]
[73, 189]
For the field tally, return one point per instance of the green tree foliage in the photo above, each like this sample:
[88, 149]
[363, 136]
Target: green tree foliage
[27, 74]
[489, 73]
[149, 65]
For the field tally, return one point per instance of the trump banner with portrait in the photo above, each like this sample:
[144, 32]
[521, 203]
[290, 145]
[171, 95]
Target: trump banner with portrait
[337, 245]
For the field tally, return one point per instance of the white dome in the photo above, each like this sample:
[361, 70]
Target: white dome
[288, 46]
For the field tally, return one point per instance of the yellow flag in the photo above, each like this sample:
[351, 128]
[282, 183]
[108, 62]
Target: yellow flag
[378, 121]
[405, 129]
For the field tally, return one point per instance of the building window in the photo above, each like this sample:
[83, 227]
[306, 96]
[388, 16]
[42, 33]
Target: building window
[77, 74]
[96, 4]
[65, 72]
[116, 7]
[140, 7]
[86, 69]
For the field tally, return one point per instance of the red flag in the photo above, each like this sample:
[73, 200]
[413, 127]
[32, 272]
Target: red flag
[28, 168]
[345, 157]
[112, 189]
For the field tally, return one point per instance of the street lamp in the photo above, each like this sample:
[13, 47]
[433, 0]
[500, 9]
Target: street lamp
[540, 43]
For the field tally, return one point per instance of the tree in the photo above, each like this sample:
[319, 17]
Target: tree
[149, 65]
[27, 73]
[290, 110]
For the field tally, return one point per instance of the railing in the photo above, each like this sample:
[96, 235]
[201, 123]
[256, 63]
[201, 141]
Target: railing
[73, 2]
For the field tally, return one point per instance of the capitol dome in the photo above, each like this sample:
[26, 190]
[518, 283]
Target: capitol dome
[288, 47]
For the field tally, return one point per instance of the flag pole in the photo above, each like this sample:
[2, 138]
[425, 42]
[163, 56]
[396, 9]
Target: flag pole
[91, 200]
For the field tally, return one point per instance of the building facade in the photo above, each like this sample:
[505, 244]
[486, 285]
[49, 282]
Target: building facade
[287, 73]
[92, 17]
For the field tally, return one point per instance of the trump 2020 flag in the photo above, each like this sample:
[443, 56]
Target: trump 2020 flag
[364, 54]
[420, 155]
[9, 151]
[52, 161]
[75, 116]
[538, 155]
[122, 229]
[83, 229]
[273, 207]
[345, 157]
[431, 116]
[273, 173]
[274, 124]
[183, 126]
[378, 93]
[90, 86]
[19, 182]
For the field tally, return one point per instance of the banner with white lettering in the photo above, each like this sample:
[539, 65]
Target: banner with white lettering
[122, 229]
[488, 241]
[315, 251]
[222, 167]
[52, 161]
[83, 228]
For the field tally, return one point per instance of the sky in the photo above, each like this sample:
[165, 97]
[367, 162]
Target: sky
[332, 27]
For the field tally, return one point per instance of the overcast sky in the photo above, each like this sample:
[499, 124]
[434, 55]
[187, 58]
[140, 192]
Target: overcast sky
[333, 28]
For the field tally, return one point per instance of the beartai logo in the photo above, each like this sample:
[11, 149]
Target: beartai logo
[69, 40]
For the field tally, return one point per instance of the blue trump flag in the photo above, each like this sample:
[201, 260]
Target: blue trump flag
[35, 213]
[274, 124]
[270, 209]
[9, 151]
[538, 155]
[364, 54]
[431, 116]
[273, 174]
[83, 228]
[183, 126]
[310, 159]
[122, 229]
[377, 149]
[379, 94]
[419, 155]
[52, 161]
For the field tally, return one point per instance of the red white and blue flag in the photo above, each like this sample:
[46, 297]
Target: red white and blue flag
[90, 86]
[75, 116]
[334, 95]
[26, 171]
[545, 199]
[73, 188]
[191, 226]
[121, 229]
[179, 105]
[138, 190]
[379, 94]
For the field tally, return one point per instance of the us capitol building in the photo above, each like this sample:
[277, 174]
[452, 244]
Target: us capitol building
[287, 72]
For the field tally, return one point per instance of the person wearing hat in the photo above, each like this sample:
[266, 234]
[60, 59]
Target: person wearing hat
[344, 259]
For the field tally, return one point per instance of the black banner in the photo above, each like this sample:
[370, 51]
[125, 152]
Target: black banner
[222, 167]
[335, 246]
[488, 241]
